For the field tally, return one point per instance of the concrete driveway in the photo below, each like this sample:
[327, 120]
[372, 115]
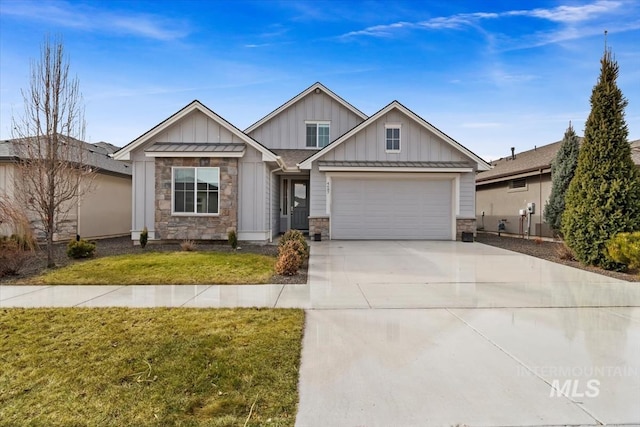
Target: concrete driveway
[448, 333]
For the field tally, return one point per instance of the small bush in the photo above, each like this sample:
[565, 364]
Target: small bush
[12, 257]
[80, 249]
[188, 245]
[296, 235]
[289, 260]
[564, 252]
[144, 237]
[624, 248]
[232, 237]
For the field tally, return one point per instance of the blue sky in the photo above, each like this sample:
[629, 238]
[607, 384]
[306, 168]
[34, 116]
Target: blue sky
[492, 75]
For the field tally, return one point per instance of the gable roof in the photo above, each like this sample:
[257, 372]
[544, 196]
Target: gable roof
[125, 152]
[534, 160]
[95, 155]
[316, 86]
[481, 164]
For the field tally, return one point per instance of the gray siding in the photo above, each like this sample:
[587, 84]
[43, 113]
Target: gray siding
[416, 143]
[143, 195]
[288, 130]
[252, 193]
[275, 204]
[467, 195]
[317, 192]
[196, 127]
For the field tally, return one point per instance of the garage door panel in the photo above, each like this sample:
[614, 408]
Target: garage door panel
[391, 209]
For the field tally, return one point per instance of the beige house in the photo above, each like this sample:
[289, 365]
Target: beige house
[519, 183]
[104, 212]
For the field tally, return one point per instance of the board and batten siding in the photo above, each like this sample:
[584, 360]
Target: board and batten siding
[287, 130]
[317, 192]
[252, 196]
[416, 143]
[143, 193]
[197, 127]
[467, 195]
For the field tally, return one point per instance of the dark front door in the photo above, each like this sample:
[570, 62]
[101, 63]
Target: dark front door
[300, 205]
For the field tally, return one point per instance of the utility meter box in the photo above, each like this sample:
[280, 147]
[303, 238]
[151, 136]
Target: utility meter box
[531, 208]
[523, 212]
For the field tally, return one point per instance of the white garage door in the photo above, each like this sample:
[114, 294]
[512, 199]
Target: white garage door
[385, 208]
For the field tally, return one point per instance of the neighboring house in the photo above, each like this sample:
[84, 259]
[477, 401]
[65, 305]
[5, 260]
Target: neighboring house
[516, 181]
[103, 212]
[316, 163]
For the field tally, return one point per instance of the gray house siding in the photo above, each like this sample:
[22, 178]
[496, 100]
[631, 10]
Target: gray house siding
[317, 192]
[467, 195]
[196, 127]
[416, 143]
[253, 196]
[287, 130]
[144, 194]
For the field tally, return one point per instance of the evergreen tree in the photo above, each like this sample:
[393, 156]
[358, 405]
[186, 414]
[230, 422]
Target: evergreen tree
[562, 169]
[603, 198]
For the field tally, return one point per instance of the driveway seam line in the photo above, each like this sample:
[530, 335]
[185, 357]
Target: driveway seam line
[363, 295]
[278, 297]
[99, 296]
[493, 343]
[196, 295]
[26, 293]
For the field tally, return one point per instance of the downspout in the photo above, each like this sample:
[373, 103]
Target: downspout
[271, 202]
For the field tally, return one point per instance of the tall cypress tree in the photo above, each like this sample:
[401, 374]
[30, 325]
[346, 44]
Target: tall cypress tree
[562, 169]
[603, 198]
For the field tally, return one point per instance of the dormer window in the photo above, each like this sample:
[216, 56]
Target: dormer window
[392, 137]
[317, 134]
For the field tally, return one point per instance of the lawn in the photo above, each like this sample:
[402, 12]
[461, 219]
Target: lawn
[149, 367]
[164, 268]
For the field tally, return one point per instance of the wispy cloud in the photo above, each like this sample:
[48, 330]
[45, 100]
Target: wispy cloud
[93, 19]
[572, 22]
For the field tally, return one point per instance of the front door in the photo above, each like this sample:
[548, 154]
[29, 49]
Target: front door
[300, 205]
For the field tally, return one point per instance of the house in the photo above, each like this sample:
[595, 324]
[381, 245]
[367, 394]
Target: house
[316, 163]
[516, 182]
[105, 211]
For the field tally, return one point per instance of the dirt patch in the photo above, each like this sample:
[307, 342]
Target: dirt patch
[37, 263]
[549, 251]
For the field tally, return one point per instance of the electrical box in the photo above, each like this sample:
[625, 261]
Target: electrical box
[531, 208]
[523, 212]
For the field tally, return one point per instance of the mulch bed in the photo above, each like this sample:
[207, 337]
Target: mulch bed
[124, 245]
[549, 251]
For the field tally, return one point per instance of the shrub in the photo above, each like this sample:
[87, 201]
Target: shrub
[297, 236]
[624, 248]
[289, 260]
[232, 237]
[564, 252]
[144, 237]
[188, 245]
[80, 249]
[12, 257]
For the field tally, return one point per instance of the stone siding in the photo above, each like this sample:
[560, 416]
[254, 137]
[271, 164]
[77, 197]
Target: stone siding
[319, 225]
[196, 227]
[465, 225]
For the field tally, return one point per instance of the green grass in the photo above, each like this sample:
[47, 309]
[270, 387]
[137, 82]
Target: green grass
[149, 367]
[164, 268]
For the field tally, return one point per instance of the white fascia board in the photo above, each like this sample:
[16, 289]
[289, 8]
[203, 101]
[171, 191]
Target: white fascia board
[193, 154]
[392, 169]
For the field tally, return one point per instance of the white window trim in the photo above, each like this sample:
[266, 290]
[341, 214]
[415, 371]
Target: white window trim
[393, 126]
[173, 193]
[316, 122]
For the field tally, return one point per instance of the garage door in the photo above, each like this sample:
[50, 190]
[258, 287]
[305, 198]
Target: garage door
[387, 208]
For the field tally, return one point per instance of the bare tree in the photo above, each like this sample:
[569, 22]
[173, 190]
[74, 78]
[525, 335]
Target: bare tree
[52, 169]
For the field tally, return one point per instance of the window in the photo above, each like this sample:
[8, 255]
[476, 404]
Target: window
[195, 190]
[317, 134]
[518, 183]
[392, 138]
